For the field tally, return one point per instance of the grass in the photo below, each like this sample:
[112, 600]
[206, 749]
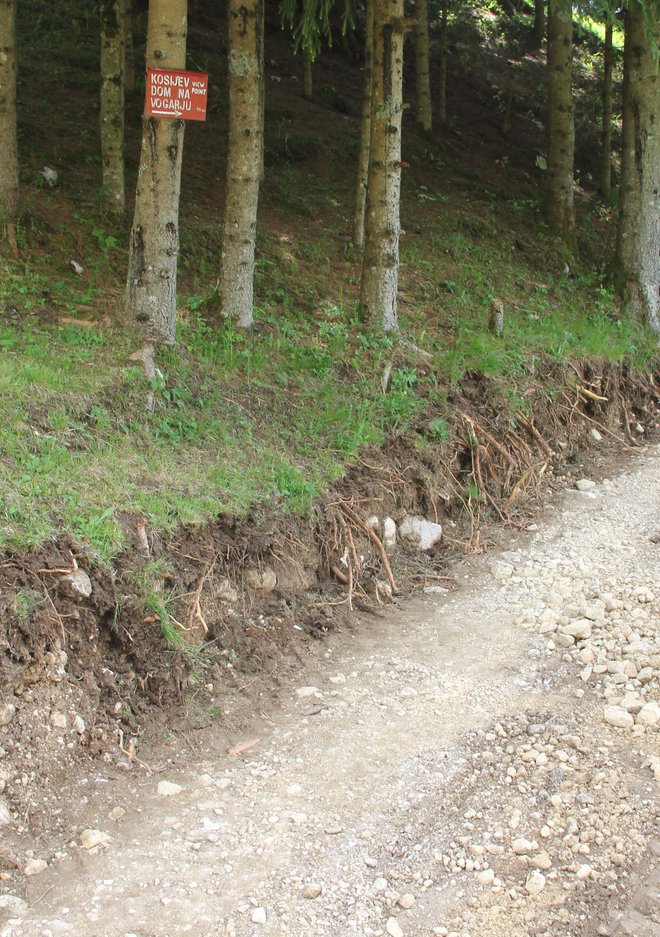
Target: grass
[269, 418]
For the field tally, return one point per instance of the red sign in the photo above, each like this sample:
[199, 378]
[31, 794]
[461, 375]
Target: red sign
[174, 93]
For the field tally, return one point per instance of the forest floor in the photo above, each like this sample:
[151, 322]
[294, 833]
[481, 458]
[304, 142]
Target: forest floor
[483, 761]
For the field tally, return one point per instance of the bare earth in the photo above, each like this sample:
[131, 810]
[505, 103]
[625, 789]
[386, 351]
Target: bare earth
[483, 762]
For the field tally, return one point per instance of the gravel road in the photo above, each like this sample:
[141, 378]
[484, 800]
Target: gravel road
[483, 763]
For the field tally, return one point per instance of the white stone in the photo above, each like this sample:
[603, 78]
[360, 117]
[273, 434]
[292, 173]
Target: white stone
[649, 714]
[94, 839]
[501, 570]
[7, 711]
[389, 533]
[225, 591]
[262, 580]
[259, 916]
[57, 720]
[522, 846]
[304, 692]
[585, 484]
[616, 716]
[595, 435]
[407, 901]
[422, 532]
[393, 927]
[535, 883]
[373, 523]
[168, 789]
[34, 867]
[5, 813]
[583, 872]
[13, 906]
[580, 629]
[312, 891]
[486, 877]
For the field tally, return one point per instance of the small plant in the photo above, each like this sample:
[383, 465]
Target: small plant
[24, 602]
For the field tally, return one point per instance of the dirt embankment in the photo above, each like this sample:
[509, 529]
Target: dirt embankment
[83, 674]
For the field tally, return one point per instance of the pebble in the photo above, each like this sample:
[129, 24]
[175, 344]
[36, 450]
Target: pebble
[486, 877]
[7, 712]
[407, 901]
[259, 916]
[585, 484]
[94, 839]
[649, 714]
[501, 570]
[5, 813]
[522, 846]
[304, 692]
[619, 717]
[34, 867]
[535, 883]
[393, 927]
[168, 789]
[312, 891]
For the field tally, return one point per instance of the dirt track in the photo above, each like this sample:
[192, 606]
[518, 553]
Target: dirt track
[449, 770]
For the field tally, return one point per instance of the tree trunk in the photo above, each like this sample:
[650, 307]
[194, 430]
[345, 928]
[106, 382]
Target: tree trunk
[605, 173]
[9, 148]
[154, 244]
[243, 159]
[559, 208]
[307, 74]
[365, 130]
[539, 23]
[380, 262]
[112, 105]
[422, 74]
[442, 64]
[637, 261]
[129, 46]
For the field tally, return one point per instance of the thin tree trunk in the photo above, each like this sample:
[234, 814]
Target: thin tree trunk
[365, 131]
[559, 207]
[243, 159]
[112, 106]
[380, 262]
[129, 46]
[8, 136]
[422, 73]
[307, 74]
[539, 23]
[637, 260]
[605, 174]
[442, 64]
[154, 244]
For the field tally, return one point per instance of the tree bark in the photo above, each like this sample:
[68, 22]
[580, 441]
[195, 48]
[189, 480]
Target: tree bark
[422, 72]
[637, 260]
[112, 105]
[365, 131]
[380, 262]
[442, 64]
[307, 74]
[154, 244]
[605, 173]
[8, 136]
[243, 159]
[538, 31]
[559, 207]
[129, 46]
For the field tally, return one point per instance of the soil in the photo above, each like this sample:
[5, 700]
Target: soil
[442, 769]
